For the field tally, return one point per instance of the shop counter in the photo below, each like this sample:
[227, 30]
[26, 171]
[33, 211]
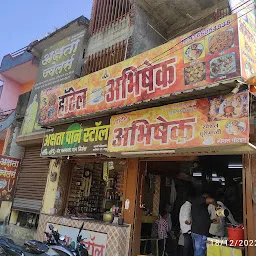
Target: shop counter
[100, 238]
[218, 247]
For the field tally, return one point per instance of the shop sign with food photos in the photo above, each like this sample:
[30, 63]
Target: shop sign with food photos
[9, 167]
[200, 58]
[90, 137]
[247, 45]
[57, 66]
[196, 123]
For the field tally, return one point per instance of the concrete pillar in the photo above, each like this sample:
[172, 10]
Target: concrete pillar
[50, 194]
[5, 210]
[14, 217]
[249, 184]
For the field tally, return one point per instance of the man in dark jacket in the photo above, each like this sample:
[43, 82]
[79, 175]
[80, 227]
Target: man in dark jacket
[201, 223]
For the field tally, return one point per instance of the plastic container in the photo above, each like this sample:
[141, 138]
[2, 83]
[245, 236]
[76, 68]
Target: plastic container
[235, 235]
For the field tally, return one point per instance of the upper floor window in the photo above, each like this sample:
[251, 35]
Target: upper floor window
[107, 12]
[105, 58]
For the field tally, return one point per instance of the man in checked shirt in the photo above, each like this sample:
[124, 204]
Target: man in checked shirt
[162, 229]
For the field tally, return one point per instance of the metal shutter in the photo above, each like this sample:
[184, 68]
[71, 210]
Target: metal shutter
[32, 181]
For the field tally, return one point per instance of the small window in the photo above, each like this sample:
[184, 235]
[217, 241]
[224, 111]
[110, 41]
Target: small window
[1, 87]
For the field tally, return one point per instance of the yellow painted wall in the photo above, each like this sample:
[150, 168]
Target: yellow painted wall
[14, 217]
[51, 188]
[5, 209]
[26, 87]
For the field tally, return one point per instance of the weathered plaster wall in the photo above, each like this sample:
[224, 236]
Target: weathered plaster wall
[114, 34]
[144, 37]
[11, 148]
[10, 93]
[51, 189]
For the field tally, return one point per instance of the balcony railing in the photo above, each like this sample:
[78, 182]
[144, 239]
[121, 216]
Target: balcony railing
[221, 13]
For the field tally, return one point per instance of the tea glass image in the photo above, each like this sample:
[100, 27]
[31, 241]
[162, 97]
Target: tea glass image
[96, 96]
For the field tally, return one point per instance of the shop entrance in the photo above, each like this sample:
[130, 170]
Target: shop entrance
[167, 185]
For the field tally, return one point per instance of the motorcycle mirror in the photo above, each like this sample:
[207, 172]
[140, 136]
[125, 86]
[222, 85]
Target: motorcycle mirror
[51, 227]
[81, 228]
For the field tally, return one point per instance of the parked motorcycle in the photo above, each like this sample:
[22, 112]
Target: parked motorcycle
[55, 245]
[8, 247]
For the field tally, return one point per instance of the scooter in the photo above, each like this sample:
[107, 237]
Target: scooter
[55, 245]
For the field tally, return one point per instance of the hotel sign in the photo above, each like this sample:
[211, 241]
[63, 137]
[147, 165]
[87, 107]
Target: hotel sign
[191, 61]
[196, 123]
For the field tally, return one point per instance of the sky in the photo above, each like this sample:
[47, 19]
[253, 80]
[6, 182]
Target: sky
[24, 21]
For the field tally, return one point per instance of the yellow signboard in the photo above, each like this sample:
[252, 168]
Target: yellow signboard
[195, 123]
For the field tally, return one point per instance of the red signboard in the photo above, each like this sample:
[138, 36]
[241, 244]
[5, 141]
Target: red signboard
[8, 174]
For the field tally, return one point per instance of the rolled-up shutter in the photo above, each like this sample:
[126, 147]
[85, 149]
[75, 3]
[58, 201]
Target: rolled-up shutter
[32, 181]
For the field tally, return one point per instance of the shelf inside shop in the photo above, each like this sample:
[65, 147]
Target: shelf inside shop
[116, 200]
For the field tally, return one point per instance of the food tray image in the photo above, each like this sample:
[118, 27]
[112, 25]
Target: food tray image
[223, 65]
[195, 73]
[48, 107]
[194, 51]
[221, 41]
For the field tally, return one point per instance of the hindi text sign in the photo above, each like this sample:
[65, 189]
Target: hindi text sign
[195, 123]
[9, 167]
[89, 137]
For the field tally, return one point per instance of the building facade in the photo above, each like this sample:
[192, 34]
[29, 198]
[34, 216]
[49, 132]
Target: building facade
[150, 86]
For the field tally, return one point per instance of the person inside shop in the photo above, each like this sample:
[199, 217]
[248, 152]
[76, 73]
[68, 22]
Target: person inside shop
[185, 226]
[217, 229]
[201, 222]
[162, 230]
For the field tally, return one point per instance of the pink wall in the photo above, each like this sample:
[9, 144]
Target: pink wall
[10, 93]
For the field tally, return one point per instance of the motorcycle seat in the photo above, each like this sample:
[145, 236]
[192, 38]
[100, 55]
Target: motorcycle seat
[10, 247]
[9, 243]
[36, 245]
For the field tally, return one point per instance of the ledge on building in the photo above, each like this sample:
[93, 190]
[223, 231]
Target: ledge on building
[30, 139]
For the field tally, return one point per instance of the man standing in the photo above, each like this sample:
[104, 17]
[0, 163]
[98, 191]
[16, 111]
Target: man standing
[162, 229]
[185, 226]
[201, 223]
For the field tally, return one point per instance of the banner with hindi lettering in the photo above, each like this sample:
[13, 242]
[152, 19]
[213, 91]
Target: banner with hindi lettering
[245, 9]
[196, 123]
[247, 44]
[9, 167]
[90, 137]
[57, 66]
[191, 61]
